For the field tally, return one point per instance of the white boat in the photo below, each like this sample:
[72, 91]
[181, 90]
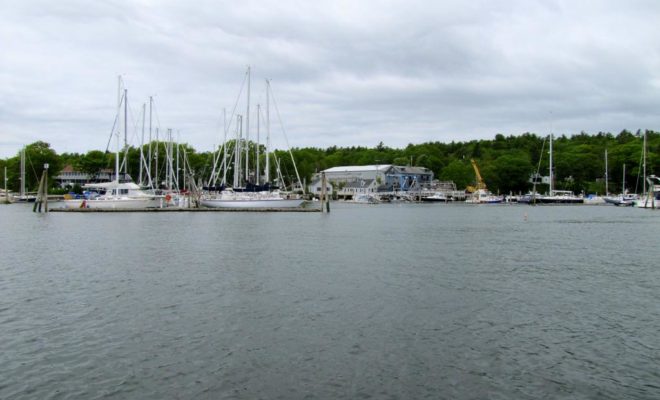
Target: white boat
[365, 198]
[247, 191]
[651, 199]
[553, 196]
[624, 199]
[484, 196]
[593, 200]
[116, 195]
[437, 197]
[651, 195]
[250, 200]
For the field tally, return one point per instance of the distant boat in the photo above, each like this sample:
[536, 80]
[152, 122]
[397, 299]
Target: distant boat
[116, 194]
[255, 200]
[624, 199]
[482, 195]
[246, 194]
[651, 199]
[365, 198]
[553, 196]
[437, 197]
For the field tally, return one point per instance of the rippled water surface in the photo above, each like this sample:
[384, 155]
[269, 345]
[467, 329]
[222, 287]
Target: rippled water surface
[384, 302]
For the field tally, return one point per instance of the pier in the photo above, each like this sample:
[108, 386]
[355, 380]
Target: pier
[178, 209]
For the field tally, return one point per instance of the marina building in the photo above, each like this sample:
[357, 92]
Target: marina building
[347, 181]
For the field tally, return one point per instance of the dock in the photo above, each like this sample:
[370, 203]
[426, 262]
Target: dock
[178, 209]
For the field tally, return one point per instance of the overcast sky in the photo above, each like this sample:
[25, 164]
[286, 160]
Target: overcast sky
[343, 73]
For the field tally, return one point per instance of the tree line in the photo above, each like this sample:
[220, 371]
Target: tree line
[506, 162]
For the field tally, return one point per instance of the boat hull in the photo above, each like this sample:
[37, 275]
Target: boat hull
[114, 203]
[246, 204]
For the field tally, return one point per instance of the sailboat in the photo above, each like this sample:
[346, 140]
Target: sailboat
[117, 194]
[624, 199]
[245, 194]
[23, 195]
[553, 196]
[651, 196]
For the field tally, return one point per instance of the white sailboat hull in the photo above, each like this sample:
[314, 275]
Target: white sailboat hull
[245, 204]
[115, 203]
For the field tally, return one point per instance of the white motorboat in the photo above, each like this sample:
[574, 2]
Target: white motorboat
[437, 197]
[116, 195]
[484, 196]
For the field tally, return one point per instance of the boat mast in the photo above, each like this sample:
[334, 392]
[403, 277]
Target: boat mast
[256, 147]
[237, 151]
[623, 186]
[224, 148]
[149, 168]
[156, 160]
[247, 130]
[144, 114]
[22, 189]
[551, 171]
[125, 133]
[606, 177]
[117, 157]
[267, 131]
[644, 164]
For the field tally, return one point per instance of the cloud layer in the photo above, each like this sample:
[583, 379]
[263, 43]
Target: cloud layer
[343, 73]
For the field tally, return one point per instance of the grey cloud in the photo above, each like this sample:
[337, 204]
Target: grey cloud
[344, 73]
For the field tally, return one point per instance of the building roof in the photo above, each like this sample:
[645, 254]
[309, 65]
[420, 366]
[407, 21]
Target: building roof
[359, 168]
[412, 170]
[359, 183]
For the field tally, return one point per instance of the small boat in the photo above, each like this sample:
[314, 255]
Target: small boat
[365, 198]
[436, 197]
[484, 196]
[651, 199]
[624, 199]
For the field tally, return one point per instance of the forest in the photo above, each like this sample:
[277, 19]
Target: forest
[506, 162]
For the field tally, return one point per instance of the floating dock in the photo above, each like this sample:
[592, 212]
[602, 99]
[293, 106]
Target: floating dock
[177, 209]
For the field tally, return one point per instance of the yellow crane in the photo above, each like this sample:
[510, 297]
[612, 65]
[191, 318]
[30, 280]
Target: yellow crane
[480, 182]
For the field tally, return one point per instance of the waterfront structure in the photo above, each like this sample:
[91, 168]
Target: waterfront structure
[69, 177]
[347, 181]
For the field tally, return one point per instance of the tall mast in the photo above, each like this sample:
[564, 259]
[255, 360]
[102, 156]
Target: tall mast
[256, 147]
[552, 178]
[247, 130]
[644, 164]
[150, 109]
[144, 114]
[267, 131]
[22, 189]
[117, 157]
[125, 133]
[156, 157]
[623, 185]
[237, 151]
[606, 177]
[224, 148]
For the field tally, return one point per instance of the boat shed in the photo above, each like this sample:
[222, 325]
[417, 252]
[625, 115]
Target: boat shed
[349, 180]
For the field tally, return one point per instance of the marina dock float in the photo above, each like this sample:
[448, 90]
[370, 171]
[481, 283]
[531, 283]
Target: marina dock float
[177, 209]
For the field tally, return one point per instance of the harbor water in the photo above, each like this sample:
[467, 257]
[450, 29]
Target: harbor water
[407, 301]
